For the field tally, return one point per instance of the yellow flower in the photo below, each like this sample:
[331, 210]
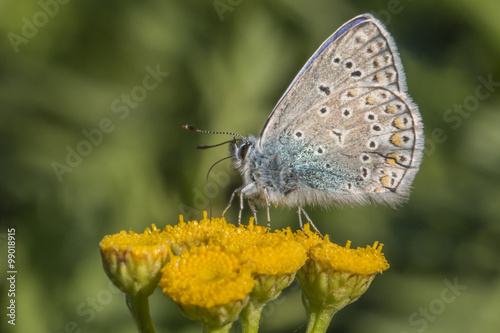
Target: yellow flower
[270, 253]
[275, 257]
[335, 276]
[209, 285]
[363, 261]
[186, 235]
[133, 261]
[206, 276]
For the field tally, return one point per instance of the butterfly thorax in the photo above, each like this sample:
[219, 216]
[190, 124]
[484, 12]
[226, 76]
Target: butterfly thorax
[264, 174]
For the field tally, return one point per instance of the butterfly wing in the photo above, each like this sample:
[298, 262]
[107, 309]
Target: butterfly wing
[346, 122]
[361, 52]
[368, 146]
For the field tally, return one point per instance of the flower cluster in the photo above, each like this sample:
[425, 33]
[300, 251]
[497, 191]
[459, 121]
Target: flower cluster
[217, 272]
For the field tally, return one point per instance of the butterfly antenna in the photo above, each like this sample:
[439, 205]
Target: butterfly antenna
[208, 184]
[194, 129]
[217, 145]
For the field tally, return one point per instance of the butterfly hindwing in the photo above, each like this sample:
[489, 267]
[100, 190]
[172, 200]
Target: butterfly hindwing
[367, 146]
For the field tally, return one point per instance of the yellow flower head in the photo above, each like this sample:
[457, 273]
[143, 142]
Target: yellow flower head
[335, 276]
[271, 253]
[275, 257]
[133, 261]
[206, 277]
[364, 261]
[186, 235]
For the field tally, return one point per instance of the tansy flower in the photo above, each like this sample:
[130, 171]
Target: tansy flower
[335, 276]
[361, 261]
[186, 235]
[275, 259]
[133, 262]
[210, 285]
[272, 253]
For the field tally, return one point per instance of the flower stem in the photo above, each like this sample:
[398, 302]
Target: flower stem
[139, 308]
[223, 329]
[319, 318]
[250, 317]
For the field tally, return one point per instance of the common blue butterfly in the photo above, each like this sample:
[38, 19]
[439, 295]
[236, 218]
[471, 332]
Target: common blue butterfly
[345, 131]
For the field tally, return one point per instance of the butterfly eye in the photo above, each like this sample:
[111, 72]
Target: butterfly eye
[243, 150]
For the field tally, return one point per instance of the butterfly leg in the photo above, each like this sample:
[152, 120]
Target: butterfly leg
[243, 194]
[241, 207]
[301, 211]
[231, 199]
[267, 209]
[300, 220]
[241, 191]
[254, 211]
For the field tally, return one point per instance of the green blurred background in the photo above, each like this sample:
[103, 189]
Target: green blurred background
[68, 72]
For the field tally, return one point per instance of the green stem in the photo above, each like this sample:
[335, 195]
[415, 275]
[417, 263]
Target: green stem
[139, 308]
[250, 317]
[223, 329]
[319, 318]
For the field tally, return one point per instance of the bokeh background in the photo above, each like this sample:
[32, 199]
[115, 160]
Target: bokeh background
[67, 67]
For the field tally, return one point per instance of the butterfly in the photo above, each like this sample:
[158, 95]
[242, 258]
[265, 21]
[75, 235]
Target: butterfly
[344, 132]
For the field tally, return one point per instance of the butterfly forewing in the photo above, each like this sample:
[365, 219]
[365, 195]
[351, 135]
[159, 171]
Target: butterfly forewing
[360, 53]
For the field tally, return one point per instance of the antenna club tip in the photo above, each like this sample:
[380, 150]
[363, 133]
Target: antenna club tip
[188, 127]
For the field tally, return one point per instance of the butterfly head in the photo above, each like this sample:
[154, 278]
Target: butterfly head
[240, 149]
